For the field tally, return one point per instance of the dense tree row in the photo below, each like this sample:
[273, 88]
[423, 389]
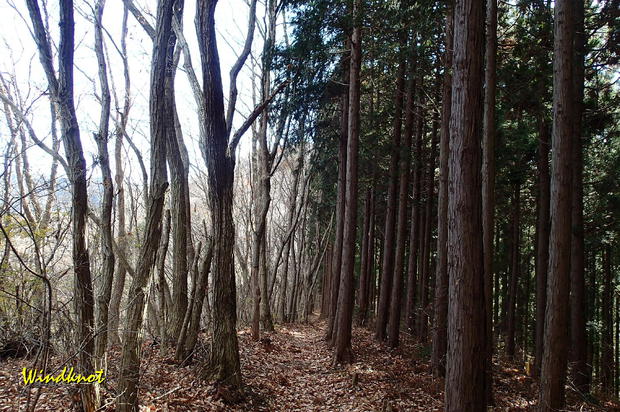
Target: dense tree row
[445, 169]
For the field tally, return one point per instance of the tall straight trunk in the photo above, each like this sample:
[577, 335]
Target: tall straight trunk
[387, 266]
[415, 230]
[121, 272]
[342, 350]
[556, 337]
[514, 272]
[425, 239]
[488, 178]
[466, 361]
[61, 92]
[365, 263]
[160, 110]
[542, 239]
[440, 331]
[607, 342]
[580, 368]
[401, 225]
[340, 207]
[102, 137]
[224, 365]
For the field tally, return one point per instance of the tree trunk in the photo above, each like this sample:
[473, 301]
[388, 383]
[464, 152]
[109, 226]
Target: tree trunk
[119, 279]
[556, 338]
[542, 239]
[224, 357]
[387, 266]
[342, 350]
[61, 92]
[340, 208]
[161, 282]
[440, 332]
[465, 367]
[401, 225]
[365, 260]
[514, 272]
[488, 179]
[580, 368]
[101, 137]
[161, 114]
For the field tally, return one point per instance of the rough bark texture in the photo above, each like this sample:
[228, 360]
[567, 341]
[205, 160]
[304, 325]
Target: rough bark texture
[556, 338]
[580, 368]
[465, 367]
[440, 332]
[160, 110]
[344, 319]
[224, 363]
[101, 137]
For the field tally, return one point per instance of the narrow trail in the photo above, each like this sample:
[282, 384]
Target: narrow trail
[291, 370]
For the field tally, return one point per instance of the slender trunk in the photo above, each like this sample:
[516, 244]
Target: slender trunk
[101, 137]
[340, 208]
[488, 179]
[514, 272]
[161, 281]
[342, 350]
[365, 264]
[401, 225]
[580, 369]
[387, 266]
[542, 239]
[441, 277]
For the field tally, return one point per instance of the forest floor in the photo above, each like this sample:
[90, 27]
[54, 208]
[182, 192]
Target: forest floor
[291, 369]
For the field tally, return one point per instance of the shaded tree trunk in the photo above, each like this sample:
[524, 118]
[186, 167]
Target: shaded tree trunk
[466, 360]
[440, 332]
[542, 239]
[580, 368]
[344, 312]
[515, 273]
[387, 266]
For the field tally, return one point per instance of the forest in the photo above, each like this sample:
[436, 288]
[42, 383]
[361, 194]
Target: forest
[310, 205]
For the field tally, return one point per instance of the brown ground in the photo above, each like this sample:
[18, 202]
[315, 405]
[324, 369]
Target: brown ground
[291, 370]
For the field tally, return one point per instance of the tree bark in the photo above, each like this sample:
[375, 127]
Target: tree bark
[102, 137]
[365, 260]
[555, 352]
[440, 331]
[466, 361]
[342, 350]
[580, 368]
[224, 365]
